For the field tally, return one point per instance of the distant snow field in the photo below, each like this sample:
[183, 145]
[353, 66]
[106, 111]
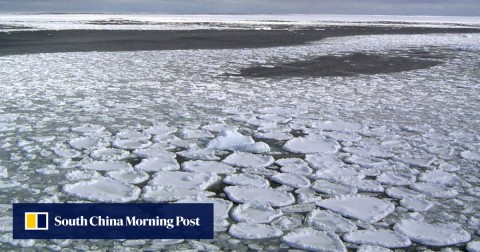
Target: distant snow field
[370, 162]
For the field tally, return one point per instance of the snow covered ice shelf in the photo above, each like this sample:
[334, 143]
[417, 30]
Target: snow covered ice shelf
[342, 160]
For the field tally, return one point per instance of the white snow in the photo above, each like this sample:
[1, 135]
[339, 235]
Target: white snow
[130, 177]
[293, 180]
[396, 178]
[326, 187]
[265, 196]
[195, 133]
[434, 190]
[243, 159]
[254, 213]
[207, 166]
[416, 204]
[328, 221]
[82, 143]
[199, 154]
[234, 141]
[154, 151]
[160, 163]
[401, 193]
[442, 178]
[363, 208]
[321, 161]
[131, 144]
[160, 129]
[109, 154]
[384, 238]
[473, 246]
[370, 151]
[470, 155]
[158, 193]
[312, 144]
[432, 234]
[254, 231]
[107, 166]
[103, 190]
[313, 240]
[246, 179]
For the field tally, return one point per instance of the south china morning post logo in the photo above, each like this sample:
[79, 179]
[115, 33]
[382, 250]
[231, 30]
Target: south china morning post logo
[113, 221]
[36, 221]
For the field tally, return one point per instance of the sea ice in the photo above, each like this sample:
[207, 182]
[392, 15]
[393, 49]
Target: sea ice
[434, 190]
[401, 193]
[289, 222]
[363, 208]
[366, 185]
[155, 193]
[416, 204]
[266, 196]
[325, 220]
[473, 246]
[339, 126]
[293, 180]
[131, 144]
[88, 128]
[84, 143]
[221, 207]
[207, 166]
[322, 161]
[160, 163]
[160, 130]
[384, 238]
[233, 141]
[199, 154]
[246, 179]
[326, 187]
[370, 248]
[254, 231]
[470, 155]
[432, 234]
[442, 178]
[312, 144]
[254, 213]
[103, 190]
[338, 174]
[109, 154]
[130, 177]
[243, 159]
[313, 240]
[396, 178]
[371, 151]
[279, 136]
[185, 180]
[107, 166]
[195, 134]
[154, 151]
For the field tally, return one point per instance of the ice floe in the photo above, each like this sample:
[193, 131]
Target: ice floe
[109, 154]
[416, 204]
[473, 246]
[363, 208]
[158, 193]
[221, 207]
[432, 234]
[396, 178]
[207, 166]
[321, 161]
[293, 180]
[254, 231]
[434, 190]
[312, 144]
[370, 151]
[401, 193]
[326, 187]
[103, 190]
[185, 180]
[199, 154]
[313, 240]
[131, 144]
[195, 134]
[247, 179]
[154, 151]
[84, 143]
[255, 213]
[130, 177]
[328, 221]
[442, 178]
[160, 163]
[243, 159]
[383, 238]
[160, 130]
[234, 141]
[470, 155]
[266, 196]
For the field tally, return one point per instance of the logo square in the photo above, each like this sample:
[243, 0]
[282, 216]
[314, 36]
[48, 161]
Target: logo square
[36, 221]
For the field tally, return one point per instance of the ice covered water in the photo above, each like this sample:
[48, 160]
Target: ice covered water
[304, 160]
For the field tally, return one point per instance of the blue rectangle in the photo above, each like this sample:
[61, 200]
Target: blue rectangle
[116, 221]
[41, 220]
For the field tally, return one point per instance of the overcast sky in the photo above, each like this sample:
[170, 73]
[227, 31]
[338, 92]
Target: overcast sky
[374, 7]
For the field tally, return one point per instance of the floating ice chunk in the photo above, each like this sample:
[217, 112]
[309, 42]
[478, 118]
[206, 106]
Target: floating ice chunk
[130, 177]
[155, 193]
[313, 240]
[254, 231]
[366, 209]
[326, 187]
[291, 162]
[432, 234]
[103, 190]
[339, 126]
[246, 179]
[343, 136]
[221, 207]
[416, 204]
[442, 178]
[82, 175]
[131, 144]
[234, 141]
[186, 180]
[279, 136]
[321, 161]
[88, 128]
[66, 152]
[473, 246]
[299, 170]
[107, 166]
[470, 155]
[423, 162]
[371, 151]
[154, 151]
[3, 172]
[158, 164]
[290, 222]
[367, 186]
[282, 111]
[207, 166]
[325, 220]
[338, 174]
[109, 154]
[252, 213]
[267, 196]
[199, 154]
[396, 178]
[402, 193]
[312, 144]
[84, 143]
[218, 127]
[448, 167]
[304, 208]
[370, 248]
[368, 162]
[260, 171]
[195, 134]
[293, 180]
[243, 159]
[160, 130]
[307, 195]
[133, 134]
[384, 238]
[434, 190]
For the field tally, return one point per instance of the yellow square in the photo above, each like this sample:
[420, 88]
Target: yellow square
[30, 220]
